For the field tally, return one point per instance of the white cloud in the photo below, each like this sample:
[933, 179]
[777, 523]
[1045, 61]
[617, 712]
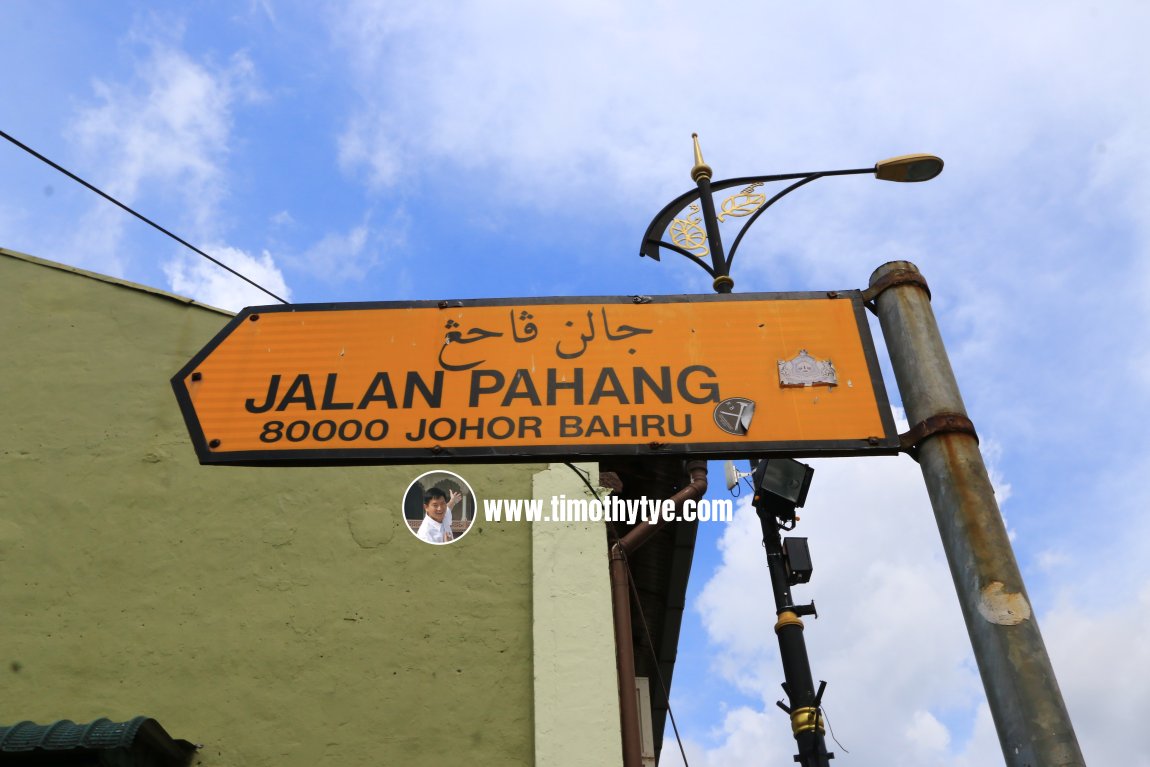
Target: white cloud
[889, 639]
[599, 91]
[367, 141]
[991, 450]
[169, 125]
[1051, 560]
[207, 283]
[337, 256]
[160, 142]
[282, 219]
[262, 7]
[1101, 656]
[351, 256]
[903, 688]
[515, 88]
[590, 107]
[925, 733]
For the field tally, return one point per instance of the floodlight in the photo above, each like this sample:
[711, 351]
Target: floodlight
[781, 486]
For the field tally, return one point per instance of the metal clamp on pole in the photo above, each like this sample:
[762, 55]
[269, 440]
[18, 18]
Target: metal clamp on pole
[943, 423]
[889, 280]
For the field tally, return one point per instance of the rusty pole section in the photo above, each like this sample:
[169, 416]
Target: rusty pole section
[621, 605]
[1033, 725]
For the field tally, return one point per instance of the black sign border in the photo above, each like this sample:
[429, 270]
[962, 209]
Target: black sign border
[886, 443]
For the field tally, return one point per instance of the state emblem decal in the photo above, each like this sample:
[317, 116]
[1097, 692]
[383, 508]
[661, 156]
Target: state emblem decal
[805, 370]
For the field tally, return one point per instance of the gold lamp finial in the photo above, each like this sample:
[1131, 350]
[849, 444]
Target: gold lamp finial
[701, 169]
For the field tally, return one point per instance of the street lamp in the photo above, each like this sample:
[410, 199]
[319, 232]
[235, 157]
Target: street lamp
[1029, 713]
[694, 225]
[780, 483]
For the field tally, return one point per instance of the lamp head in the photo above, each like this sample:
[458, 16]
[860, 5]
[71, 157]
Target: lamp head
[908, 168]
[781, 486]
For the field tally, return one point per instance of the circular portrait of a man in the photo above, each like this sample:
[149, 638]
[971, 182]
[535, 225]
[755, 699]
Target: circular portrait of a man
[439, 507]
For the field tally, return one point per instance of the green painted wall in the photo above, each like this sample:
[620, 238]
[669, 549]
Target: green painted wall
[277, 616]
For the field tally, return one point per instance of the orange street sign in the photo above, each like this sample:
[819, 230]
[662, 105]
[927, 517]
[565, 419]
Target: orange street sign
[519, 379]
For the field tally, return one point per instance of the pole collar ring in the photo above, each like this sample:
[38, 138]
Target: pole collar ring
[892, 279]
[943, 423]
[788, 618]
[806, 719]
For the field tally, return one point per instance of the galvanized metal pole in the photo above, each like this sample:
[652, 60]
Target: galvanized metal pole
[1033, 725]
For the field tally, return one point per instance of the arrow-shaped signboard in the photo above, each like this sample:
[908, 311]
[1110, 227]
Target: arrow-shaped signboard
[521, 379]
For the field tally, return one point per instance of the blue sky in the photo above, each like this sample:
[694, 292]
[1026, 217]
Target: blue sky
[387, 151]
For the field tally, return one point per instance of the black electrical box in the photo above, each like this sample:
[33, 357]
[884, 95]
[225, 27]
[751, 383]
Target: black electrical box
[798, 559]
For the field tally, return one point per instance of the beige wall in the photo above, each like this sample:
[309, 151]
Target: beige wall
[277, 616]
[576, 684]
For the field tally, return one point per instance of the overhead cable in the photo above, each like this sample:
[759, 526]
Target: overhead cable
[140, 216]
